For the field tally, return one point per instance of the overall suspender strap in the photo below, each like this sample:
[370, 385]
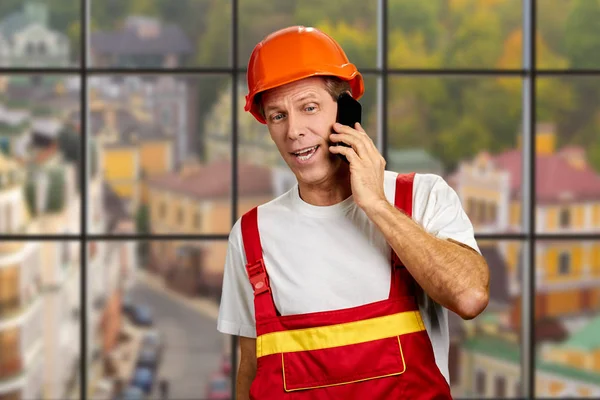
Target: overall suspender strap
[404, 192]
[402, 283]
[255, 267]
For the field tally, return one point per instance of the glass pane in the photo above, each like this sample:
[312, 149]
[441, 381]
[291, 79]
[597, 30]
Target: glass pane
[152, 143]
[352, 24]
[567, 319]
[160, 34]
[39, 154]
[262, 173]
[568, 34]
[568, 155]
[152, 312]
[465, 130]
[40, 34]
[454, 34]
[485, 352]
[39, 319]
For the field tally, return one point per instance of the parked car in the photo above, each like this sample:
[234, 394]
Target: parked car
[152, 339]
[219, 387]
[143, 378]
[148, 358]
[142, 315]
[131, 393]
[226, 364]
[127, 305]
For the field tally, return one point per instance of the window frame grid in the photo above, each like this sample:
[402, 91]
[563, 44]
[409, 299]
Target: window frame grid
[527, 238]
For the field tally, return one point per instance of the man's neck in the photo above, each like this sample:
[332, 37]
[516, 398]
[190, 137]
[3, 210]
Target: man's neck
[333, 191]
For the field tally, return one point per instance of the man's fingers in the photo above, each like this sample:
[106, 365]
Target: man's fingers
[346, 151]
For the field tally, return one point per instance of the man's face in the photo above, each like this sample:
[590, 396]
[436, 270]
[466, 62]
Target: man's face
[300, 116]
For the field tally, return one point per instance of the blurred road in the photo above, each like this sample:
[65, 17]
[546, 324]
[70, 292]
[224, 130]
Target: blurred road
[193, 347]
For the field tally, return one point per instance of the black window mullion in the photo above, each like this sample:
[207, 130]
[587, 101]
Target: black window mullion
[83, 190]
[234, 159]
[530, 236]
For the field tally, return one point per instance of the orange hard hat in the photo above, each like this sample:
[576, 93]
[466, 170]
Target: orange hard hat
[294, 53]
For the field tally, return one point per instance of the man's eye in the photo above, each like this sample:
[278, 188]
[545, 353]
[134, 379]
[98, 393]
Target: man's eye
[277, 117]
[310, 108]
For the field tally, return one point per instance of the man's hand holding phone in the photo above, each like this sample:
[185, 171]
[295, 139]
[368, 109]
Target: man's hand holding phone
[367, 165]
[349, 112]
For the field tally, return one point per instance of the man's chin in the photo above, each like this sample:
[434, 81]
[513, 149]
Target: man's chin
[317, 172]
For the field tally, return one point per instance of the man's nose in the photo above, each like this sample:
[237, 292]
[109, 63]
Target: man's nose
[295, 129]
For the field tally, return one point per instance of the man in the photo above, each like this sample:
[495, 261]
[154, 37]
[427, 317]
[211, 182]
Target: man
[339, 288]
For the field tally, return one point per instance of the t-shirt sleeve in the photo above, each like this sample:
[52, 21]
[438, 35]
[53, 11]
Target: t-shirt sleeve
[236, 311]
[442, 214]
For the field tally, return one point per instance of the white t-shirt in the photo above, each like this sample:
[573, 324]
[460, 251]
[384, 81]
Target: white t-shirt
[322, 258]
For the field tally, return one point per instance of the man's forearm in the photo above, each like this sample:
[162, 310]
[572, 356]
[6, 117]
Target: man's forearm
[455, 276]
[244, 380]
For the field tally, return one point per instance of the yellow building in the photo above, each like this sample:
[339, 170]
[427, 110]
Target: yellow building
[568, 200]
[197, 200]
[132, 151]
[567, 272]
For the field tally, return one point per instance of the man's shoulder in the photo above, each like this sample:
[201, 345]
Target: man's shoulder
[422, 182]
[278, 204]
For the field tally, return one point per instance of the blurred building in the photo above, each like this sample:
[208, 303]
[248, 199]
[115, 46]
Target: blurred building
[567, 272]
[27, 40]
[110, 271]
[132, 151]
[40, 307]
[169, 103]
[41, 198]
[413, 160]
[197, 200]
[22, 358]
[13, 130]
[490, 362]
[255, 145]
[143, 42]
[568, 198]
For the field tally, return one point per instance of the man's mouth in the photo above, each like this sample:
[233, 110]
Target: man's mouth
[306, 154]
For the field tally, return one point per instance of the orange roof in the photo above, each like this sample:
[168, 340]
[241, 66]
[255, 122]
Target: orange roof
[214, 181]
[555, 177]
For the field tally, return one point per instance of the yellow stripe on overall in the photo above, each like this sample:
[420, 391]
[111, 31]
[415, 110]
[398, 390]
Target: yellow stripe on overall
[324, 337]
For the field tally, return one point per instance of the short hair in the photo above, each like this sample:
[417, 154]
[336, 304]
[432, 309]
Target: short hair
[333, 85]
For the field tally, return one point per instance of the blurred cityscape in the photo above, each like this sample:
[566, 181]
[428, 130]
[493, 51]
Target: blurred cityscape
[159, 162]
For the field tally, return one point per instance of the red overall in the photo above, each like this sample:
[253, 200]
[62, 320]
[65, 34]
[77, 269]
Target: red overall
[379, 350]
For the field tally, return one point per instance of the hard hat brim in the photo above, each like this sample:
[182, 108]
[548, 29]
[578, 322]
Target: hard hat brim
[348, 73]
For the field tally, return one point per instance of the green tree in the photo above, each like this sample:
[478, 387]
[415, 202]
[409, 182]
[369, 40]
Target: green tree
[31, 197]
[582, 42]
[463, 139]
[142, 223]
[142, 220]
[107, 15]
[143, 7]
[56, 190]
[582, 47]
[476, 35]
[359, 45]
[417, 19]
[593, 153]
[551, 17]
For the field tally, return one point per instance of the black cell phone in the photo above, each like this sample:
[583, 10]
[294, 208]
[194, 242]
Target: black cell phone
[349, 112]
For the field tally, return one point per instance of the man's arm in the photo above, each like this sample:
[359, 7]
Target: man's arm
[247, 370]
[452, 274]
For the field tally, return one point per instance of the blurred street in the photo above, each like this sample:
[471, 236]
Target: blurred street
[193, 347]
